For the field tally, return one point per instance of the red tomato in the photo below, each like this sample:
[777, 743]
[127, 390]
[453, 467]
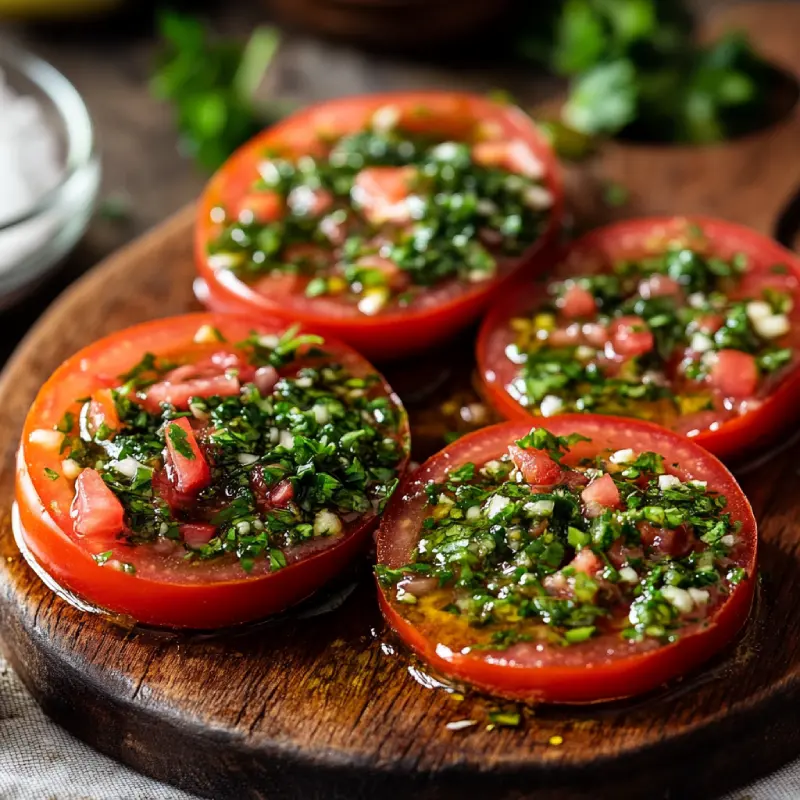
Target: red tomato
[435, 314]
[264, 206]
[165, 589]
[514, 155]
[189, 473]
[601, 668]
[196, 534]
[204, 379]
[631, 337]
[734, 373]
[729, 438]
[381, 193]
[95, 509]
[536, 466]
[587, 562]
[578, 302]
[658, 285]
[602, 492]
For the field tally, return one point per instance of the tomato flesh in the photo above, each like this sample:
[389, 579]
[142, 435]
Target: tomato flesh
[186, 465]
[96, 511]
[536, 467]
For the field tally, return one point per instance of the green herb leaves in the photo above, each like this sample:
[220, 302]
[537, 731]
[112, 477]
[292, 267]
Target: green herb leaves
[212, 85]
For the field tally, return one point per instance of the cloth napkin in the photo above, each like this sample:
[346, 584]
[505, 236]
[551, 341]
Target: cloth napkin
[39, 760]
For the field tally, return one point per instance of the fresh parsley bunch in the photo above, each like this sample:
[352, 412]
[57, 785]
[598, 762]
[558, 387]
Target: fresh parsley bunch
[635, 69]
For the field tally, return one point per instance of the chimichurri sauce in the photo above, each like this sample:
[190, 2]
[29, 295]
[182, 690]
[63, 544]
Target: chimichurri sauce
[537, 547]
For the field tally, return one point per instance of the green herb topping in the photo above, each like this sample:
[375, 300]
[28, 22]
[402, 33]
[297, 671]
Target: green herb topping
[614, 544]
[670, 338]
[381, 215]
[308, 456]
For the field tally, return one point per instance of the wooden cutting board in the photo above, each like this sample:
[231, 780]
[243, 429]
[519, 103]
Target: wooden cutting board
[323, 703]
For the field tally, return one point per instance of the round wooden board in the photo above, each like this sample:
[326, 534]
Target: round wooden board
[325, 704]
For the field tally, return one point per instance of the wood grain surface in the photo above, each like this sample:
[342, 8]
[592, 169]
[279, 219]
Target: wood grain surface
[326, 705]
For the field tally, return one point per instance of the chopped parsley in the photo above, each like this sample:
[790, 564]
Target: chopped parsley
[679, 300]
[453, 219]
[302, 461]
[544, 564]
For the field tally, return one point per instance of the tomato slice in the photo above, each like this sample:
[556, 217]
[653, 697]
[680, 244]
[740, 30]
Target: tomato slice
[434, 314]
[760, 412]
[606, 666]
[74, 526]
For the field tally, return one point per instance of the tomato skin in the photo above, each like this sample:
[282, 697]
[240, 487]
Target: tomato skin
[229, 597]
[605, 678]
[392, 334]
[732, 441]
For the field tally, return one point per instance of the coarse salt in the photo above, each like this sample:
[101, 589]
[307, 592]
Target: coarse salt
[30, 166]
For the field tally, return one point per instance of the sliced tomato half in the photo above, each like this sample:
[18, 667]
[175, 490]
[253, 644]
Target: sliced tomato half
[435, 314]
[70, 524]
[604, 667]
[769, 266]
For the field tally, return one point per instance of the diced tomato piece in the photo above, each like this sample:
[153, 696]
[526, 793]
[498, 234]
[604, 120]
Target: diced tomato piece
[282, 494]
[307, 255]
[382, 193]
[587, 562]
[265, 379]
[512, 155]
[658, 285]
[196, 534]
[734, 374]
[164, 489]
[602, 492]
[710, 323]
[536, 466]
[278, 496]
[565, 337]
[187, 473]
[578, 302]
[631, 336]
[103, 411]
[265, 206]
[673, 542]
[310, 202]
[179, 394]
[595, 334]
[208, 378]
[96, 510]
[619, 554]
